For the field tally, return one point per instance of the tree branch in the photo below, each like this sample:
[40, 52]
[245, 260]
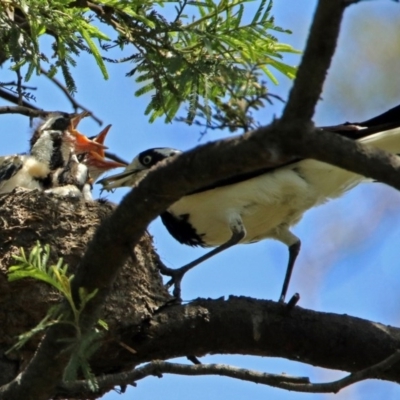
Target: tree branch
[334, 387]
[242, 325]
[73, 102]
[157, 368]
[4, 94]
[282, 381]
[29, 112]
[316, 61]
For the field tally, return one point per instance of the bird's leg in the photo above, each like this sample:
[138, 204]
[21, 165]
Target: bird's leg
[238, 233]
[294, 249]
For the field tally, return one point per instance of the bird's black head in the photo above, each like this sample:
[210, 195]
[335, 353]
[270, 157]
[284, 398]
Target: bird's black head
[54, 122]
[148, 158]
[138, 168]
[60, 123]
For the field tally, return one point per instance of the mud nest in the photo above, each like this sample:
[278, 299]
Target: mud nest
[67, 225]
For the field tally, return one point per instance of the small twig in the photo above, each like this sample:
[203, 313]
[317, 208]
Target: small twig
[294, 383]
[157, 368]
[29, 112]
[182, 6]
[19, 86]
[333, 387]
[4, 94]
[73, 102]
[13, 83]
[126, 347]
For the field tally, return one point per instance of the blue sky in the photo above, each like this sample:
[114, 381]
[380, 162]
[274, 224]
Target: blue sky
[349, 258]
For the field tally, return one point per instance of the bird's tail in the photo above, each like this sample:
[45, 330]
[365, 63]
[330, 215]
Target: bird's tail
[382, 132]
[386, 140]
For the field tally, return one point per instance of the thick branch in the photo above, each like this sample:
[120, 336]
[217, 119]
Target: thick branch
[345, 153]
[317, 58]
[263, 328]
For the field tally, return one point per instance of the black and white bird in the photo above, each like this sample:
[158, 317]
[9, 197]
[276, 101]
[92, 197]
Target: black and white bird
[76, 177]
[72, 180]
[259, 205]
[51, 147]
[20, 170]
[71, 139]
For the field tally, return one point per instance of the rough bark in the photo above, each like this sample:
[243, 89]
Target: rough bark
[67, 225]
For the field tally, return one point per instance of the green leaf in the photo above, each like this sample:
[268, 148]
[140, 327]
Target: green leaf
[95, 52]
[259, 11]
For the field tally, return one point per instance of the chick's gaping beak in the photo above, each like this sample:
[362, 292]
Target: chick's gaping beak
[83, 144]
[96, 159]
[100, 139]
[78, 118]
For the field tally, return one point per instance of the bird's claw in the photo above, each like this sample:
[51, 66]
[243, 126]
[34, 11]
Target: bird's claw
[176, 279]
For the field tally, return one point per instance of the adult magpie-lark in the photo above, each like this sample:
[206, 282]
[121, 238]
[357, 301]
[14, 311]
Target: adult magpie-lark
[262, 204]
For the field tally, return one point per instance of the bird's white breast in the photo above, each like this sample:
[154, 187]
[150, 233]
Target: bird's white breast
[266, 203]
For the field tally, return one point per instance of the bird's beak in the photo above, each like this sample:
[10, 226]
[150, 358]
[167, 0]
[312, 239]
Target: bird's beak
[78, 118]
[127, 178]
[100, 139]
[99, 161]
[84, 145]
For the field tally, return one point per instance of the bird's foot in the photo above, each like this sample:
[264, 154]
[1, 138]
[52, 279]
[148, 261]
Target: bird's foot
[291, 303]
[176, 278]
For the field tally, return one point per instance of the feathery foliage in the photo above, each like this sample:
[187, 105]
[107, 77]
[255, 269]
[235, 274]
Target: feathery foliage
[184, 52]
[36, 266]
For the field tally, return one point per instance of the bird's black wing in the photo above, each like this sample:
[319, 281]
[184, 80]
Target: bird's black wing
[357, 130]
[9, 166]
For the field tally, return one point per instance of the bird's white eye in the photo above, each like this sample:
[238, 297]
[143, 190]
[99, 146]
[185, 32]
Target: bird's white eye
[146, 160]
